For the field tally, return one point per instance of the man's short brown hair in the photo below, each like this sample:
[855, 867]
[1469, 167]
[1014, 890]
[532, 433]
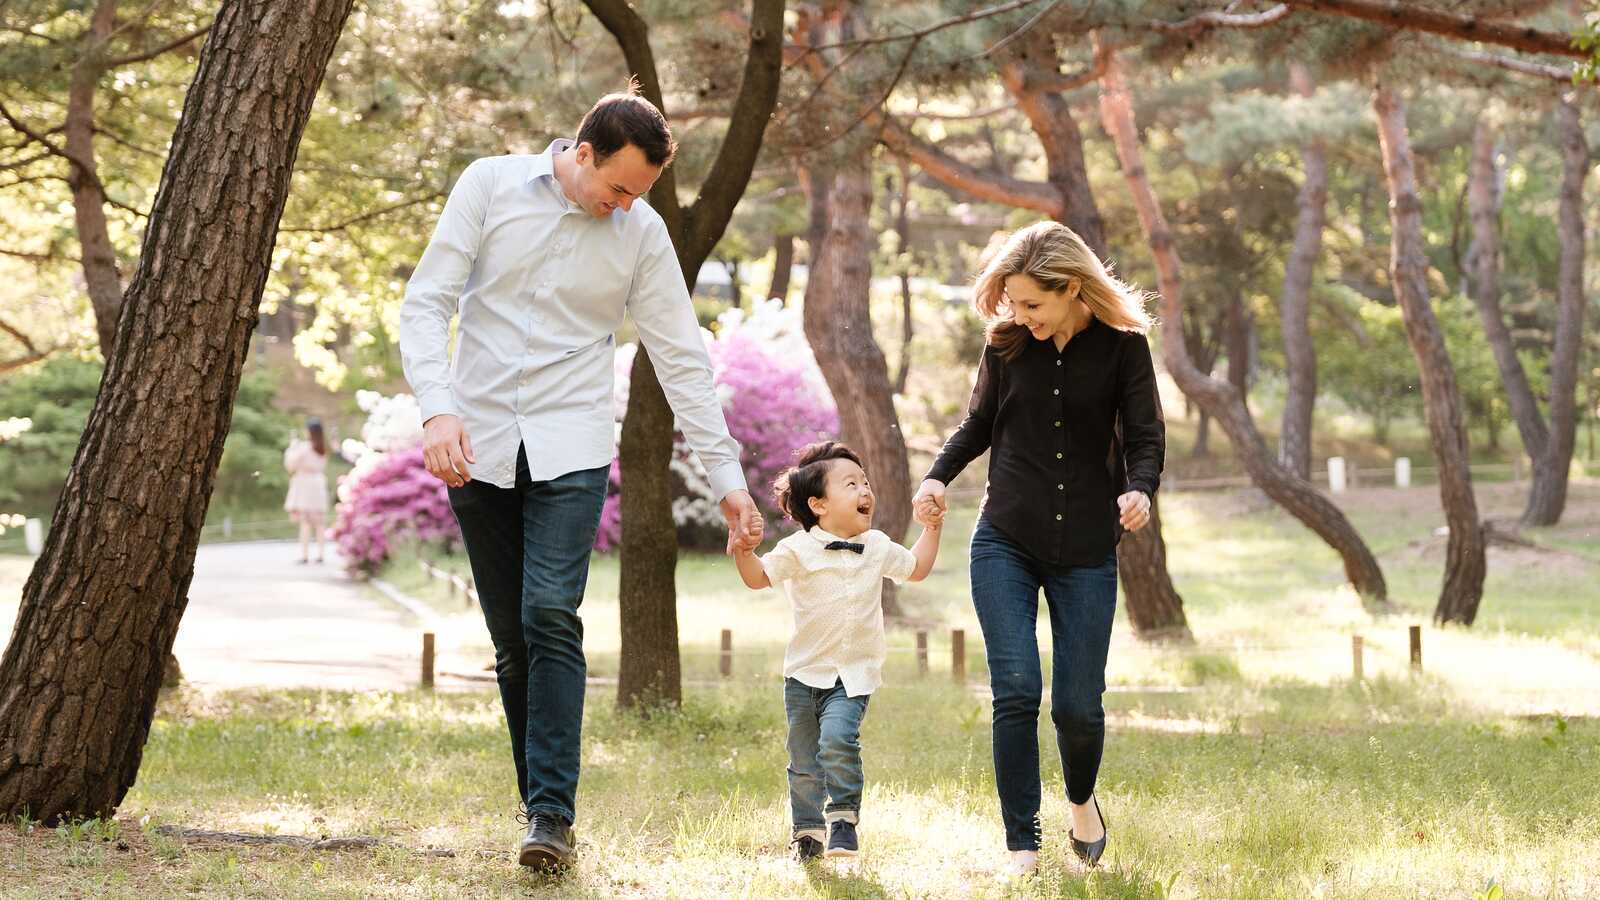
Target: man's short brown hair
[617, 120]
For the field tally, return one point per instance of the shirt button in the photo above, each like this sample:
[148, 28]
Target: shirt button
[1061, 487]
[1058, 517]
[1058, 456]
[1058, 423]
[1058, 362]
[1057, 392]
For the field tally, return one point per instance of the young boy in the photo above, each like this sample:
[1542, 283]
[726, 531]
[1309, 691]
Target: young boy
[832, 571]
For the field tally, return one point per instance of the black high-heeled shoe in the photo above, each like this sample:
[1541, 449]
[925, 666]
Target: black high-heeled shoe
[1091, 852]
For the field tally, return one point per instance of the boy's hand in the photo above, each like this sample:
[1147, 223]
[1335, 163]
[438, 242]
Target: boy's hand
[929, 503]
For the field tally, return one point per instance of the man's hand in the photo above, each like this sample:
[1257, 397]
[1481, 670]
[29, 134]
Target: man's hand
[745, 527]
[1135, 508]
[928, 506]
[446, 449]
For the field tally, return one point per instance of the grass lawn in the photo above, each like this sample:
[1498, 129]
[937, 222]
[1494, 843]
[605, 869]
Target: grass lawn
[1248, 764]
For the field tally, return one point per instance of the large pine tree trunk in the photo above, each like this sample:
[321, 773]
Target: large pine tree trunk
[1296, 495]
[1300, 354]
[1408, 263]
[78, 682]
[1548, 496]
[838, 327]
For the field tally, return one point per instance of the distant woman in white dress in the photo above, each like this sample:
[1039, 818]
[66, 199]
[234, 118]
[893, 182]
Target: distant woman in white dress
[307, 502]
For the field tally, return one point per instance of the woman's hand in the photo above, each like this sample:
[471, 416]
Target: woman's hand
[1135, 508]
[928, 506]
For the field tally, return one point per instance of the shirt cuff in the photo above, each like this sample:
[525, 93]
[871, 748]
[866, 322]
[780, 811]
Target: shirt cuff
[438, 402]
[725, 479]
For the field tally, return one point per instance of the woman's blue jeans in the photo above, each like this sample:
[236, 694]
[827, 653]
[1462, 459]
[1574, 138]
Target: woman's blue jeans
[1082, 601]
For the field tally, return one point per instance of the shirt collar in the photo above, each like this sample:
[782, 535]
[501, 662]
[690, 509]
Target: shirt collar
[545, 163]
[824, 537]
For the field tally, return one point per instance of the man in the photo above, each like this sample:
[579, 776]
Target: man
[541, 256]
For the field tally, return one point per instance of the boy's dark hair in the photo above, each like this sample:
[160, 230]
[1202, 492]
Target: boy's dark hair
[617, 120]
[808, 478]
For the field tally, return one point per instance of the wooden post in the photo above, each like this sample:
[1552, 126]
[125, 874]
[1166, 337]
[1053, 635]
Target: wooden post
[958, 655]
[1402, 472]
[1355, 657]
[1416, 648]
[922, 653]
[726, 662]
[427, 660]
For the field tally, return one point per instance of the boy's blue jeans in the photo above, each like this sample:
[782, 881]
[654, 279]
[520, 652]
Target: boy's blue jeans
[824, 754]
[529, 546]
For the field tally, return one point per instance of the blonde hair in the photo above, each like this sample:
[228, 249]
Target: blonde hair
[1053, 255]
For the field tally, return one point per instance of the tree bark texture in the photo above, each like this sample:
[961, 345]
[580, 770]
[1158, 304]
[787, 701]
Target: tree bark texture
[1300, 354]
[782, 267]
[78, 682]
[1296, 495]
[88, 195]
[1408, 263]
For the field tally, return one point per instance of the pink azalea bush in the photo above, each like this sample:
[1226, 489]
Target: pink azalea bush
[390, 497]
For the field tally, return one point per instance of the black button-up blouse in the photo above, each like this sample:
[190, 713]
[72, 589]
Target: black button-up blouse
[1068, 431]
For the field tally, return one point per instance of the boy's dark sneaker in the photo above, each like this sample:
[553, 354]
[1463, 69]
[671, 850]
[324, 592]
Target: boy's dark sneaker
[842, 839]
[806, 847]
[548, 843]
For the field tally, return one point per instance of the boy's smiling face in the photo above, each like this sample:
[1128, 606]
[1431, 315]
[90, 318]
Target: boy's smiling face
[845, 508]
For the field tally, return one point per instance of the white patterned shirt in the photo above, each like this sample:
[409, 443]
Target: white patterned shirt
[541, 287]
[837, 597]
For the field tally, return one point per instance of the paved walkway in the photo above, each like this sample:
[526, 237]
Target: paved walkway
[257, 618]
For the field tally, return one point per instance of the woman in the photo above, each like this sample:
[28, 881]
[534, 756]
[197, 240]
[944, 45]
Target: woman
[1066, 403]
[307, 501]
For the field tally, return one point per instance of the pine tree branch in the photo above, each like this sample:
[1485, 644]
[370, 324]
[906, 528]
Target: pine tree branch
[1206, 21]
[364, 217]
[150, 54]
[1415, 17]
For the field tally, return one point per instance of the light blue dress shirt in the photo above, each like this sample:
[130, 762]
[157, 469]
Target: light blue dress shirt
[541, 287]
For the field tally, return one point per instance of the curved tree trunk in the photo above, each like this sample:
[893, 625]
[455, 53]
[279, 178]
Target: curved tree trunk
[1300, 354]
[838, 327]
[1464, 555]
[1296, 495]
[1548, 497]
[79, 680]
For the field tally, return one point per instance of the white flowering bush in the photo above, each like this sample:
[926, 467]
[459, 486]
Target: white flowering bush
[9, 429]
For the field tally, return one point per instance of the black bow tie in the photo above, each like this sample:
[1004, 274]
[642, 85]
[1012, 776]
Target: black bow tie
[846, 545]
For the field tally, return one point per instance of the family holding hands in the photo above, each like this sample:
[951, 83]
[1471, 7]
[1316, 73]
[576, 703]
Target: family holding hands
[539, 257]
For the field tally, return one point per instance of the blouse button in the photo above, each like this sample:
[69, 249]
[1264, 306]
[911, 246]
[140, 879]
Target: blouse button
[1058, 456]
[1057, 392]
[1061, 487]
[1058, 423]
[1058, 362]
[1058, 517]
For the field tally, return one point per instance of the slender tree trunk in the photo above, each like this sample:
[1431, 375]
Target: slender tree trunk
[1027, 66]
[902, 229]
[782, 267]
[78, 682]
[1408, 262]
[1294, 494]
[1300, 354]
[88, 196]
[1483, 199]
[1155, 609]
[650, 672]
[1548, 496]
[1202, 437]
[838, 326]
[1239, 327]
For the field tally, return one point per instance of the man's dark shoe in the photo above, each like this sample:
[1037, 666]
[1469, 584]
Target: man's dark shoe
[842, 839]
[548, 843]
[806, 847]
